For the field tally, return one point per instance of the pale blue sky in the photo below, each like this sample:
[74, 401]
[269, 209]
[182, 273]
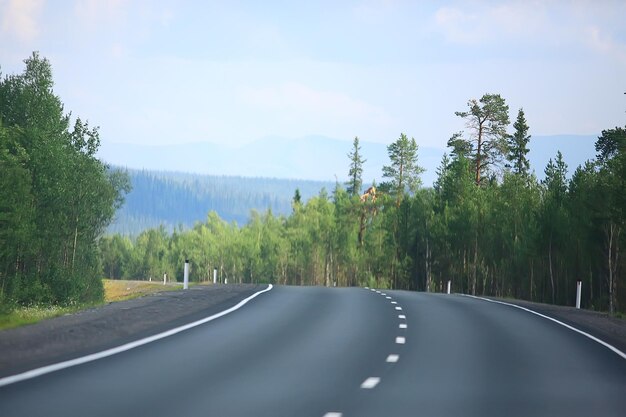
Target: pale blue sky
[235, 71]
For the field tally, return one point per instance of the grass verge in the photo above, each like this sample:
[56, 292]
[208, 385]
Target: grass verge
[114, 290]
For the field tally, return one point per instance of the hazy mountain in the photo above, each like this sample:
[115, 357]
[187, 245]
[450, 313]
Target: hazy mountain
[316, 158]
[172, 198]
[175, 199]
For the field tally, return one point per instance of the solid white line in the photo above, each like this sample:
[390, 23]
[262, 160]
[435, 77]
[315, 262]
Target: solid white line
[393, 358]
[370, 382]
[595, 339]
[394, 302]
[333, 414]
[123, 348]
[398, 308]
[402, 325]
[401, 316]
[400, 340]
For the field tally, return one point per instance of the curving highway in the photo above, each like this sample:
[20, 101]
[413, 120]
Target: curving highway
[331, 352]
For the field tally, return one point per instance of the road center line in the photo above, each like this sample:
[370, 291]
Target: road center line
[394, 302]
[123, 348]
[402, 325]
[401, 316]
[393, 358]
[400, 340]
[370, 382]
[388, 298]
[398, 308]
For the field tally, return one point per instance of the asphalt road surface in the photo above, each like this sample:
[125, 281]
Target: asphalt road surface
[330, 352]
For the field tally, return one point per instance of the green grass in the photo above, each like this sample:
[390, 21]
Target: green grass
[114, 290]
[27, 315]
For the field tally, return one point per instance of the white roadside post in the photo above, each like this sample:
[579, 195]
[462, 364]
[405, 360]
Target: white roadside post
[579, 285]
[449, 285]
[164, 279]
[214, 275]
[186, 276]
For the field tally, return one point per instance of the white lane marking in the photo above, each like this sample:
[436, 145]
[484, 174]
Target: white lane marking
[367, 288]
[388, 298]
[333, 414]
[595, 339]
[372, 289]
[394, 302]
[400, 340]
[393, 358]
[383, 294]
[123, 348]
[370, 382]
[377, 292]
[398, 308]
[402, 325]
[401, 316]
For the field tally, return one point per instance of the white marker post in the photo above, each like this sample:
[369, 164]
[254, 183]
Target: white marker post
[214, 275]
[449, 286]
[579, 285]
[164, 279]
[186, 276]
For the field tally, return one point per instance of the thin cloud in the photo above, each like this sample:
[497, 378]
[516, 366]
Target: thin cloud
[20, 19]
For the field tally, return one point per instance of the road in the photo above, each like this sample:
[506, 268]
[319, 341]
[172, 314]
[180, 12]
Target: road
[330, 352]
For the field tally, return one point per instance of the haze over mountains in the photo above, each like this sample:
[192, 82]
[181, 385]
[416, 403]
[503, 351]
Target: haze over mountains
[315, 158]
[177, 185]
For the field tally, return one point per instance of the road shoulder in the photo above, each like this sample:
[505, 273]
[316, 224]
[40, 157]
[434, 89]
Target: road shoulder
[93, 330]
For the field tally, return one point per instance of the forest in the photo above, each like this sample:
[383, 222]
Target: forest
[488, 225]
[56, 197]
[174, 199]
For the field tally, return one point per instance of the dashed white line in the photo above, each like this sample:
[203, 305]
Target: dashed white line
[388, 298]
[370, 382]
[383, 294]
[393, 358]
[394, 302]
[333, 414]
[401, 316]
[400, 340]
[367, 288]
[402, 325]
[398, 308]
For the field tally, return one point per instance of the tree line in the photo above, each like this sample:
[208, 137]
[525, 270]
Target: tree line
[487, 224]
[171, 199]
[56, 196]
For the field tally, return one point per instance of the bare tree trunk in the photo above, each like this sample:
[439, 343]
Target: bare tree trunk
[550, 267]
[475, 268]
[75, 241]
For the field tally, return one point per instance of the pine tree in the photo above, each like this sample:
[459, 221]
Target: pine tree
[487, 120]
[518, 146]
[403, 173]
[356, 169]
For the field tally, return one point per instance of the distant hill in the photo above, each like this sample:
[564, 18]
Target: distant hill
[172, 199]
[161, 196]
[315, 158]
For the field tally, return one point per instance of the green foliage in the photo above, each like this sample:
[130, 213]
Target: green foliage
[57, 198]
[487, 120]
[355, 173]
[518, 145]
[506, 235]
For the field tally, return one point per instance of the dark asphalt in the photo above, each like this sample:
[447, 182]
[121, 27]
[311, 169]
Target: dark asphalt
[301, 352]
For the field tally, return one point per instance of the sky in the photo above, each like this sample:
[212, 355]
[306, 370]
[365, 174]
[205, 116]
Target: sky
[233, 72]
